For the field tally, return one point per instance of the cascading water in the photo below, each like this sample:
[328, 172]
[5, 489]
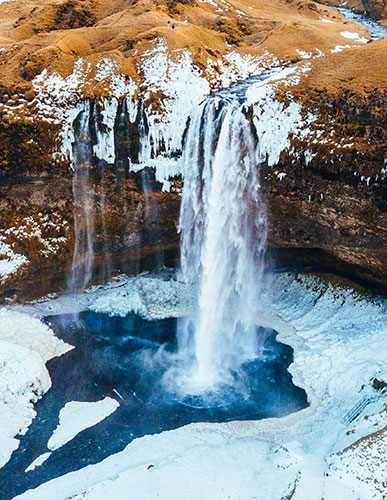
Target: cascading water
[223, 233]
[83, 257]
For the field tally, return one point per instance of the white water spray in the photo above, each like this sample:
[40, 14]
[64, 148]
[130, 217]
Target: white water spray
[223, 233]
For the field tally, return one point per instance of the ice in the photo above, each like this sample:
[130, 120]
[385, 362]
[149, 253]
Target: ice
[26, 344]
[77, 416]
[38, 461]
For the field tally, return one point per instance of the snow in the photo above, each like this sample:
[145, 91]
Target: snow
[39, 461]
[10, 262]
[58, 99]
[340, 48]
[377, 31]
[183, 86]
[26, 345]
[236, 66]
[148, 295]
[353, 36]
[276, 121]
[77, 416]
[338, 337]
[303, 54]
[24, 229]
[211, 2]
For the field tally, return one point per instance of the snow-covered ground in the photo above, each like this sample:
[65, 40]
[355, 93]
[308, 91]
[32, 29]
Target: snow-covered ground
[26, 345]
[335, 449]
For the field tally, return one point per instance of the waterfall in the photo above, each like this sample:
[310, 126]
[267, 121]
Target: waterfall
[83, 257]
[223, 233]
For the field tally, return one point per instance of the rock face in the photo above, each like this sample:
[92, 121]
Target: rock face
[323, 174]
[376, 8]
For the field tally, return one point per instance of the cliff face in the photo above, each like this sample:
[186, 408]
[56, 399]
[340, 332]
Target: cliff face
[142, 79]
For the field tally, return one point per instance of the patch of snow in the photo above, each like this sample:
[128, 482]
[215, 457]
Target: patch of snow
[303, 54]
[10, 262]
[340, 48]
[38, 461]
[211, 2]
[77, 416]
[324, 20]
[353, 36]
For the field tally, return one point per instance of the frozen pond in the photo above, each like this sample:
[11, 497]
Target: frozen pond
[124, 359]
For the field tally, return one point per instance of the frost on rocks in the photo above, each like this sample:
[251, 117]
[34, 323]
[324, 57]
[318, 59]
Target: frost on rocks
[28, 228]
[235, 66]
[182, 86]
[10, 262]
[171, 88]
[104, 148]
[26, 345]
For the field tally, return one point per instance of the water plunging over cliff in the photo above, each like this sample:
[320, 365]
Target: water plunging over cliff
[223, 232]
[83, 257]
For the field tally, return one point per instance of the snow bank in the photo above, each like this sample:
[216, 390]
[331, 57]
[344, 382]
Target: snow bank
[152, 296]
[26, 345]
